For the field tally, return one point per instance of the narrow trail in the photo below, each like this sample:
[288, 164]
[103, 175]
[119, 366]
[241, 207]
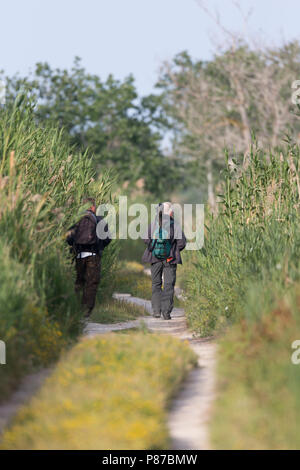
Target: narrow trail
[190, 410]
[27, 388]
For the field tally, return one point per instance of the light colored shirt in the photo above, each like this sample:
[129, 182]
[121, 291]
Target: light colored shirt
[85, 254]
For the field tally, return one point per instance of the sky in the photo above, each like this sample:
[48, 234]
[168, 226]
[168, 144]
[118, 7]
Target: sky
[125, 37]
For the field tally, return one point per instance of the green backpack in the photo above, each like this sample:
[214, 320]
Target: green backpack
[161, 243]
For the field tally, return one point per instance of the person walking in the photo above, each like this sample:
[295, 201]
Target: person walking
[165, 240]
[88, 249]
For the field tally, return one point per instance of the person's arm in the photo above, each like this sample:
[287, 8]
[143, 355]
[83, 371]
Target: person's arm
[71, 234]
[180, 238]
[181, 243]
[147, 237]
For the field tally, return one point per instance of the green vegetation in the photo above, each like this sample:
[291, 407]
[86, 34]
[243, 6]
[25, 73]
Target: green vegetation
[224, 101]
[42, 182]
[110, 392]
[116, 311]
[132, 280]
[242, 285]
[247, 276]
[253, 241]
[106, 117]
[258, 405]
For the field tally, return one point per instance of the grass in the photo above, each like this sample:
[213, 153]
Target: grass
[110, 392]
[131, 279]
[244, 283]
[254, 239]
[259, 403]
[117, 311]
[42, 182]
[130, 331]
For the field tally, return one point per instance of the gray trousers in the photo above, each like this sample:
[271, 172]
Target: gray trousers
[163, 299]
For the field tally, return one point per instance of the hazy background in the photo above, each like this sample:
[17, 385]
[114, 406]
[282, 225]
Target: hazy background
[126, 36]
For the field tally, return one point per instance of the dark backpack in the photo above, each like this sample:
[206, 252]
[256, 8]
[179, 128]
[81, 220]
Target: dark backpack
[86, 230]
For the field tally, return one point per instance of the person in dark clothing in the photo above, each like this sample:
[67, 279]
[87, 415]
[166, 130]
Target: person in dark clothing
[88, 248]
[165, 240]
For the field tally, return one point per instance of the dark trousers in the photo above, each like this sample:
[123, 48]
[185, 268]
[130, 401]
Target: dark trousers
[163, 299]
[87, 280]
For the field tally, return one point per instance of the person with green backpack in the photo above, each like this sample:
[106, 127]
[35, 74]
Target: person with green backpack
[165, 240]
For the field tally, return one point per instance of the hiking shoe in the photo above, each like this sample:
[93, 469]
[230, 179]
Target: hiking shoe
[156, 315]
[167, 317]
[88, 313]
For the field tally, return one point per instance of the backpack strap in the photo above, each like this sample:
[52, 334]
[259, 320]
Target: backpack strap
[91, 216]
[153, 245]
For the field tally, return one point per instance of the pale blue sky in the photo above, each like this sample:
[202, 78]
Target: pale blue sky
[126, 36]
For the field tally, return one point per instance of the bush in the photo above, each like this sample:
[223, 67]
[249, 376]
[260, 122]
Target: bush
[32, 339]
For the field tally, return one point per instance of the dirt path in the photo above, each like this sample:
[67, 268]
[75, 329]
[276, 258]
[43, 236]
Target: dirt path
[27, 388]
[190, 410]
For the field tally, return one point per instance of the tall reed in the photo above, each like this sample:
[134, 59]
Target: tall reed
[254, 238]
[42, 182]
